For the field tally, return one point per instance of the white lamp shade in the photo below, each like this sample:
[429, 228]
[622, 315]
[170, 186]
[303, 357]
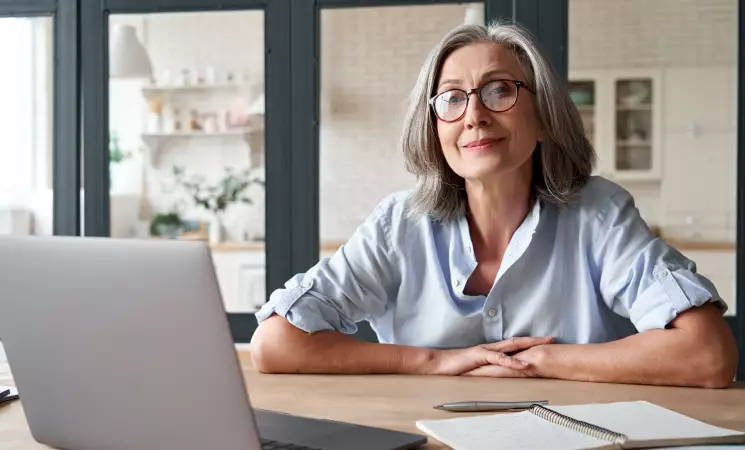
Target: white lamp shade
[474, 16]
[128, 58]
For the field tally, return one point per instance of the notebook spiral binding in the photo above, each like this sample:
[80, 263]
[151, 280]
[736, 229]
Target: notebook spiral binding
[578, 425]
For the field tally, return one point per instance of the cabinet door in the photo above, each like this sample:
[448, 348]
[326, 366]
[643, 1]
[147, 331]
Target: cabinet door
[636, 125]
[251, 287]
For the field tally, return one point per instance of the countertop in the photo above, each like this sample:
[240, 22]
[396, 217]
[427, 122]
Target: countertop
[331, 246]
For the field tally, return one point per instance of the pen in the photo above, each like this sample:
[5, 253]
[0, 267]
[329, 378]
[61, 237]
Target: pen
[488, 406]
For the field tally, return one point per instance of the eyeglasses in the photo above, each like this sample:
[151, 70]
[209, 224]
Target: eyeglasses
[496, 96]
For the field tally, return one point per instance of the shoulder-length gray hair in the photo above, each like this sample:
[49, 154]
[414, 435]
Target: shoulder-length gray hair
[562, 164]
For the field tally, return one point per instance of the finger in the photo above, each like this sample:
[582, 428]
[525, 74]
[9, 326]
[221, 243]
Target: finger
[517, 343]
[510, 362]
[497, 372]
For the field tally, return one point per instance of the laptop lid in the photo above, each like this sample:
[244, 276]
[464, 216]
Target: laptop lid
[121, 344]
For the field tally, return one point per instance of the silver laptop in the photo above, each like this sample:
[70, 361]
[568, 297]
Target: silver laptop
[124, 344]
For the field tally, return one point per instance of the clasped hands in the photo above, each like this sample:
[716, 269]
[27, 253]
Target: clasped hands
[518, 357]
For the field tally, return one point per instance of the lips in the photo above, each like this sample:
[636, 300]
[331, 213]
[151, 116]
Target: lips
[481, 143]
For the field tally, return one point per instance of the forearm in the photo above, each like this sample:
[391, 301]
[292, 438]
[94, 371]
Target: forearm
[279, 347]
[660, 357]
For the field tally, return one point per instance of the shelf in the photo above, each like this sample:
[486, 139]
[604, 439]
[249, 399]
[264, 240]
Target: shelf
[642, 107]
[682, 244]
[645, 143]
[158, 142]
[199, 134]
[585, 108]
[152, 90]
[645, 176]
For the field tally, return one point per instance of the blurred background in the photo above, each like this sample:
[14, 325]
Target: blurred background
[271, 131]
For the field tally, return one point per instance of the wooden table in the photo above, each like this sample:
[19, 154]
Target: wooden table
[396, 402]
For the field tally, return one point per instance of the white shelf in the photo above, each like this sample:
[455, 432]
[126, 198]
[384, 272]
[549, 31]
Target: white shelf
[648, 176]
[158, 142]
[152, 90]
[201, 134]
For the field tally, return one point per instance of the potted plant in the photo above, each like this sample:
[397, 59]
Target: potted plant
[217, 198]
[167, 225]
[117, 155]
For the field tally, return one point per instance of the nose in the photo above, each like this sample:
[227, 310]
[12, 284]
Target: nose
[477, 115]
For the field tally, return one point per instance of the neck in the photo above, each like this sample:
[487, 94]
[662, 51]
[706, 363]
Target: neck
[496, 208]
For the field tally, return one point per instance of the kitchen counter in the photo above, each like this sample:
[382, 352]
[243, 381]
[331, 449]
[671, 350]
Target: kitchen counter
[259, 246]
[331, 246]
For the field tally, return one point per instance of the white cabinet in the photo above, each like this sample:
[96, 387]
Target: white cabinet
[719, 267]
[242, 278]
[621, 111]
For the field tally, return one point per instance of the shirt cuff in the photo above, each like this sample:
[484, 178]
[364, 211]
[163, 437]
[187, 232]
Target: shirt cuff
[305, 310]
[671, 293]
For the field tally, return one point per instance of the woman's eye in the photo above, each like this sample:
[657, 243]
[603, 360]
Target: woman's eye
[498, 90]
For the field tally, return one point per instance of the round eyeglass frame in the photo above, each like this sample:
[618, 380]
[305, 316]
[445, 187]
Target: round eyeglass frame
[518, 84]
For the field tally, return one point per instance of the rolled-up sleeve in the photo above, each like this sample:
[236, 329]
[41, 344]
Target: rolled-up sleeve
[355, 284]
[641, 276]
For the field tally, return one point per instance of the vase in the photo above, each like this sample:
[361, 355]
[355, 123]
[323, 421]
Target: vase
[215, 230]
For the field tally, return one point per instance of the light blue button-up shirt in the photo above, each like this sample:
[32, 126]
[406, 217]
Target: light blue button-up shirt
[587, 272]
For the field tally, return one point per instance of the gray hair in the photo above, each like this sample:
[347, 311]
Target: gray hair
[562, 164]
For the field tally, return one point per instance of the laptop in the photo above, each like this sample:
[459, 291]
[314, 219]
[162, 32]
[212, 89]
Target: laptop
[124, 344]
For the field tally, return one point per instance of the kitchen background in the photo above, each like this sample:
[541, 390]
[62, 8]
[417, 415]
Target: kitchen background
[655, 81]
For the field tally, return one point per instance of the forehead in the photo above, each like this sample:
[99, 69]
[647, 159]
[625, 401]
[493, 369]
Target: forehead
[472, 61]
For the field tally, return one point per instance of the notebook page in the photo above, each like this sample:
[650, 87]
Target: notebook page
[646, 424]
[508, 431]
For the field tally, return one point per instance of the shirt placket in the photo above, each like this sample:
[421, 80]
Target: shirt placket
[492, 311]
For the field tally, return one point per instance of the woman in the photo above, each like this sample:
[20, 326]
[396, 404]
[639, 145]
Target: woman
[507, 259]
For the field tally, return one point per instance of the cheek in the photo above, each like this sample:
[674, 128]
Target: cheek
[524, 125]
[448, 134]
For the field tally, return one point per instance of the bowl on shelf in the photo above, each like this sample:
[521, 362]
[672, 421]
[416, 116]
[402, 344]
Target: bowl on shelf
[581, 98]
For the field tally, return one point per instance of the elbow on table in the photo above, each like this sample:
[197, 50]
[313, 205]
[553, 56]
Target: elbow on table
[269, 345]
[721, 377]
[719, 369]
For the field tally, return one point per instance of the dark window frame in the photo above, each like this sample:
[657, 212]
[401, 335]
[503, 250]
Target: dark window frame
[65, 105]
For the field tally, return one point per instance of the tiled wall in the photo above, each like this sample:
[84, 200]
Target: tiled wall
[370, 60]
[626, 34]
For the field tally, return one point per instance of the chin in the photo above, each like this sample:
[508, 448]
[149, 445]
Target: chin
[481, 173]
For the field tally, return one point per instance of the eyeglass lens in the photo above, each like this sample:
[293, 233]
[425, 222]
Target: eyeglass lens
[497, 96]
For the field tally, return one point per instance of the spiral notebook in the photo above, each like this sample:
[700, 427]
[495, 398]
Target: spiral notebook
[619, 425]
[8, 393]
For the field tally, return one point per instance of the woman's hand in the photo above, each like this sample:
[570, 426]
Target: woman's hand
[533, 357]
[494, 357]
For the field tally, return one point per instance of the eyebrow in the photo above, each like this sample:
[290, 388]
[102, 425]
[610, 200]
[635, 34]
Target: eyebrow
[488, 74]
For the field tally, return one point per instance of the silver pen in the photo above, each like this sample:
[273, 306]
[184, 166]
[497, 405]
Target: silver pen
[488, 406]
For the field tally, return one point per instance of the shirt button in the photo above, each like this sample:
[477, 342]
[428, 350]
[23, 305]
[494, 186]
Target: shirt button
[457, 283]
[492, 312]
